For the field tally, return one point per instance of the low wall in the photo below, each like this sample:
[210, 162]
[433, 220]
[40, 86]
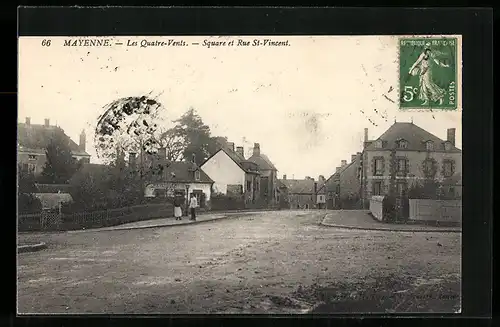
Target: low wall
[449, 211]
[94, 219]
[376, 207]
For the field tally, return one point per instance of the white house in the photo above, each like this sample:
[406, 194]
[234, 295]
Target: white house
[232, 173]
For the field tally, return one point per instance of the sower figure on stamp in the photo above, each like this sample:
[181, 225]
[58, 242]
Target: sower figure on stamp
[177, 208]
[193, 203]
[429, 91]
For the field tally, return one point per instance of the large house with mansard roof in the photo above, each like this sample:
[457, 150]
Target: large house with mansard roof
[32, 140]
[414, 154]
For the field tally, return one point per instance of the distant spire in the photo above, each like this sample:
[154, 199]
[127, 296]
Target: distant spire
[412, 119]
[394, 120]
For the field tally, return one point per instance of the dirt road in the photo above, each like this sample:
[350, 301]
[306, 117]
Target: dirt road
[271, 262]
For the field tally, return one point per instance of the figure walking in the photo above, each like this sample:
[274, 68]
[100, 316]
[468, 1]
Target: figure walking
[177, 208]
[429, 91]
[193, 204]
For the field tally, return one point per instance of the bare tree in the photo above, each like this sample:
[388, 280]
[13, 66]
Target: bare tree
[173, 144]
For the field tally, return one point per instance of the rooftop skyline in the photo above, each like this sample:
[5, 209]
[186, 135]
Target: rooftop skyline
[306, 104]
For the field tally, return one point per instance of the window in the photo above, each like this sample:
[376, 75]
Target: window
[377, 188]
[447, 146]
[451, 191]
[379, 166]
[402, 144]
[31, 168]
[32, 157]
[401, 188]
[249, 185]
[197, 175]
[378, 144]
[402, 165]
[429, 145]
[448, 168]
[429, 168]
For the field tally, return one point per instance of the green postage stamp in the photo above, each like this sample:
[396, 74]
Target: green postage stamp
[428, 73]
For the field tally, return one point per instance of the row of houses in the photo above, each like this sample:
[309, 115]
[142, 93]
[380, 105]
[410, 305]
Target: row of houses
[226, 172]
[405, 150]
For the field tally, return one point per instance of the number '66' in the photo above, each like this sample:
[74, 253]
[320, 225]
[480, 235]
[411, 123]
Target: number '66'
[46, 43]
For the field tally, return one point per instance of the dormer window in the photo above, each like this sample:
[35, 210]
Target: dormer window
[378, 144]
[402, 144]
[447, 146]
[429, 145]
[197, 175]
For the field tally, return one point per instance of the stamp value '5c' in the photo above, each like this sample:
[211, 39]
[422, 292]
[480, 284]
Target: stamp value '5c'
[428, 73]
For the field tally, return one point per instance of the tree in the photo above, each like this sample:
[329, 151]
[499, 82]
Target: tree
[59, 165]
[173, 143]
[26, 200]
[196, 135]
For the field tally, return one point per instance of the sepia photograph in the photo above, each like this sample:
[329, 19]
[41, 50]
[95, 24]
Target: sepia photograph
[239, 174]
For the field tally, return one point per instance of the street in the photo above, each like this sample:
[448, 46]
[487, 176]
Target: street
[269, 262]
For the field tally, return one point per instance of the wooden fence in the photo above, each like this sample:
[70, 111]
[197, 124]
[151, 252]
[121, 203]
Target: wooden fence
[51, 221]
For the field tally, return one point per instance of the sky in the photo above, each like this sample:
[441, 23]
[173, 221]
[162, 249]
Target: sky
[306, 104]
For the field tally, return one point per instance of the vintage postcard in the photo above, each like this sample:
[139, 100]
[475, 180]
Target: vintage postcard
[231, 174]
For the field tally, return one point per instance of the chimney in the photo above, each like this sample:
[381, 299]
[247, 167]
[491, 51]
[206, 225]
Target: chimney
[343, 163]
[28, 120]
[47, 122]
[193, 160]
[83, 140]
[321, 178]
[315, 187]
[366, 134]
[162, 153]
[353, 157]
[256, 149]
[240, 151]
[132, 159]
[337, 170]
[230, 146]
[284, 177]
[451, 135]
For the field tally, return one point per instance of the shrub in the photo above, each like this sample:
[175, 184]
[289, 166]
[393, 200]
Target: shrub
[28, 203]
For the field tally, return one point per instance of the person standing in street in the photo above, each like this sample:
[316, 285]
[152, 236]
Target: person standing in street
[192, 206]
[177, 208]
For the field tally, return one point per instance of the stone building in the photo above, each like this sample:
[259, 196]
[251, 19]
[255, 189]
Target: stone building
[32, 141]
[406, 154]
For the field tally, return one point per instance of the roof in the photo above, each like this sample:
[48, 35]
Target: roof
[414, 135]
[262, 161]
[333, 179]
[35, 138]
[52, 200]
[183, 172]
[298, 186]
[52, 188]
[237, 158]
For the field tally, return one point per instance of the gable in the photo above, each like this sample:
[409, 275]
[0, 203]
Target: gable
[221, 159]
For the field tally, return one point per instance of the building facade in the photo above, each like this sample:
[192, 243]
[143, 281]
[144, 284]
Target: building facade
[407, 154]
[33, 139]
[181, 178]
[233, 174]
[301, 193]
[268, 176]
[343, 188]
